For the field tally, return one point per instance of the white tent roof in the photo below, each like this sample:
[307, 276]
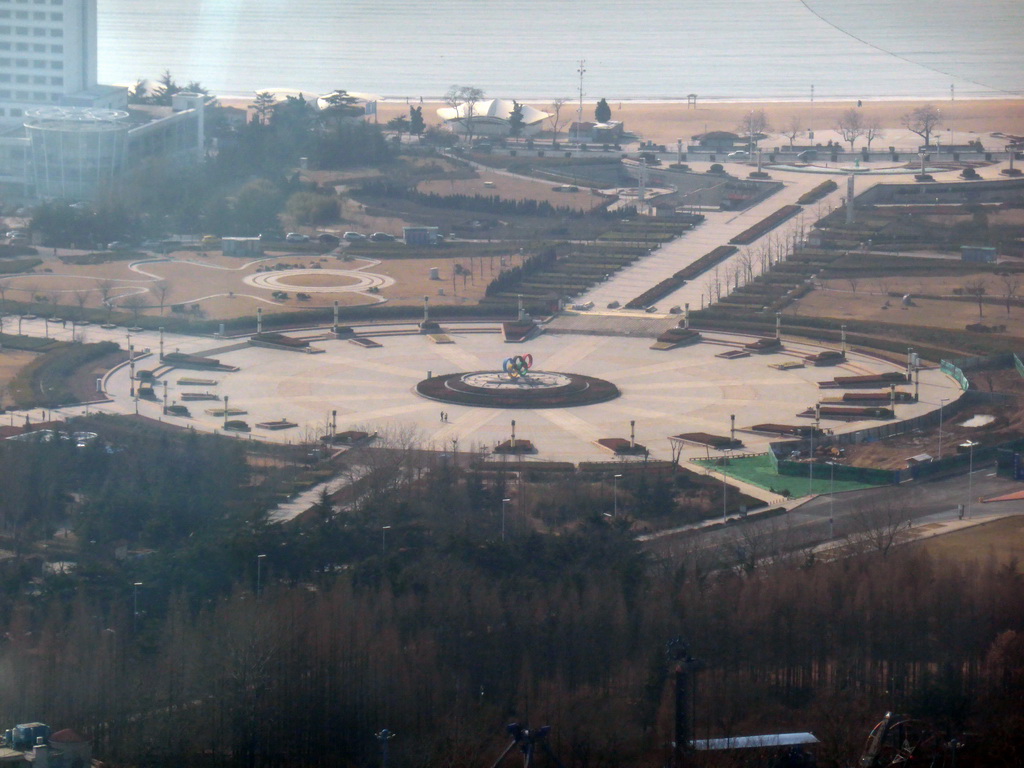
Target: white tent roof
[500, 109]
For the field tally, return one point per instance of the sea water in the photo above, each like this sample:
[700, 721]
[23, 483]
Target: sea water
[532, 49]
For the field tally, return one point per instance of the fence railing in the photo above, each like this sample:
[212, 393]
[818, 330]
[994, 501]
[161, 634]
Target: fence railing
[951, 369]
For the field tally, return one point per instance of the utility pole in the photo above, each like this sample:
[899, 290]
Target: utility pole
[579, 110]
[684, 665]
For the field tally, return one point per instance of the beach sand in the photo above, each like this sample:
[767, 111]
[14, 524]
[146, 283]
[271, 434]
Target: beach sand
[665, 122]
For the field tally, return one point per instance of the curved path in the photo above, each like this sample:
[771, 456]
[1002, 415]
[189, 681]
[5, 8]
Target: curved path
[366, 283]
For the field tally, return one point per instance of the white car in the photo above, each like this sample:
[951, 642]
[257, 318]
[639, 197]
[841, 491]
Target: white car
[740, 155]
[353, 236]
[296, 237]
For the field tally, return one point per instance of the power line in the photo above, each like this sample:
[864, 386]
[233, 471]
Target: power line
[907, 59]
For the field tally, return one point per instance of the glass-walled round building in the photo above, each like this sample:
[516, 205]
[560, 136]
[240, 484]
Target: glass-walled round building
[75, 152]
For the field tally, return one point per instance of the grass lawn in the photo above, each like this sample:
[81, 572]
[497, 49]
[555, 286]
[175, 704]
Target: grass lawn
[758, 470]
[1002, 539]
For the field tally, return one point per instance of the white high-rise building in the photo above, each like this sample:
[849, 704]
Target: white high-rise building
[48, 57]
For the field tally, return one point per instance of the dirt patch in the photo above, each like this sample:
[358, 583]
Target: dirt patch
[83, 381]
[11, 361]
[316, 281]
[491, 183]
[871, 302]
[893, 452]
[216, 282]
[1002, 539]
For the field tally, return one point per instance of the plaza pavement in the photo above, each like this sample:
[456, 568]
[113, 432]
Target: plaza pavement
[664, 392]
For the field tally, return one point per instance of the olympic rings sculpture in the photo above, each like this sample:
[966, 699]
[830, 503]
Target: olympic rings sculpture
[517, 366]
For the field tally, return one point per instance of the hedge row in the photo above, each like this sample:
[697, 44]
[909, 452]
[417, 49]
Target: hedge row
[766, 225]
[44, 381]
[679, 279]
[17, 266]
[26, 343]
[818, 192]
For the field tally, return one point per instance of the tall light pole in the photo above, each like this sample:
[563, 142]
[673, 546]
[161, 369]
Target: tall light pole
[384, 539]
[810, 464]
[725, 486]
[615, 495]
[503, 503]
[579, 110]
[941, 404]
[259, 574]
[832, 501]
[970, 479]
[135, 606]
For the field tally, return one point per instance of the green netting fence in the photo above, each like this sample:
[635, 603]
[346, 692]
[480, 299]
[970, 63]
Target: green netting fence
[866, 475]
[953, 370]
[1018, 365]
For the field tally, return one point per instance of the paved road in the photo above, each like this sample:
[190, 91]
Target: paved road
[930, 506]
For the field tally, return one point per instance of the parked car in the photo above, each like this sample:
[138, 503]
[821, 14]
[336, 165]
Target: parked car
[382, 237]
[739, 155]
[808, 155]
[353, 236]
[328, 239]
[296, 237]
[272, 236]
[117, 245]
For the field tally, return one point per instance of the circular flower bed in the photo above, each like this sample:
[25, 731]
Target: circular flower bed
[538, 389]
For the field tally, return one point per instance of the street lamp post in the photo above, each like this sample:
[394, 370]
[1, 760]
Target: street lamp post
[615, 495]
[941, 404]
[725, 486]
[832, 501]
[259, 574]
[135, 606]
[503, 503]
[970, 444]
[810, 463]
[384, 539]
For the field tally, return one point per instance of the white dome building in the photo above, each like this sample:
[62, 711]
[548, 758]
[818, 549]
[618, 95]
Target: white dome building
[490, 118]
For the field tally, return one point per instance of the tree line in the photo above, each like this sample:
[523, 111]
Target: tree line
[441, 630]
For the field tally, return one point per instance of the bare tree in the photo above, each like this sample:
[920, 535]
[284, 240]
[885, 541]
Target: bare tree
[82, 298]
[850, 126]
[731, 276]
[746, 264]
[762, 543]
[136, 303]
[755, 125]
[709, 287]
[463, 99]
[717, 277]
[1011, 286]
[106, 289]
[793, 128]
[872, 130]
[764, 257]
[977, 288]
[556, 116]
[162, 289]
[854, 281]
[878, 525]
[923, 121]
[54, 296]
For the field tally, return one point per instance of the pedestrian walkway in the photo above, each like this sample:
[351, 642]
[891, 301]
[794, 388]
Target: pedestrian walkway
[718, 228]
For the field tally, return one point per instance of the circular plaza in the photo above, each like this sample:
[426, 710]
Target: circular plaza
[375, 382]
